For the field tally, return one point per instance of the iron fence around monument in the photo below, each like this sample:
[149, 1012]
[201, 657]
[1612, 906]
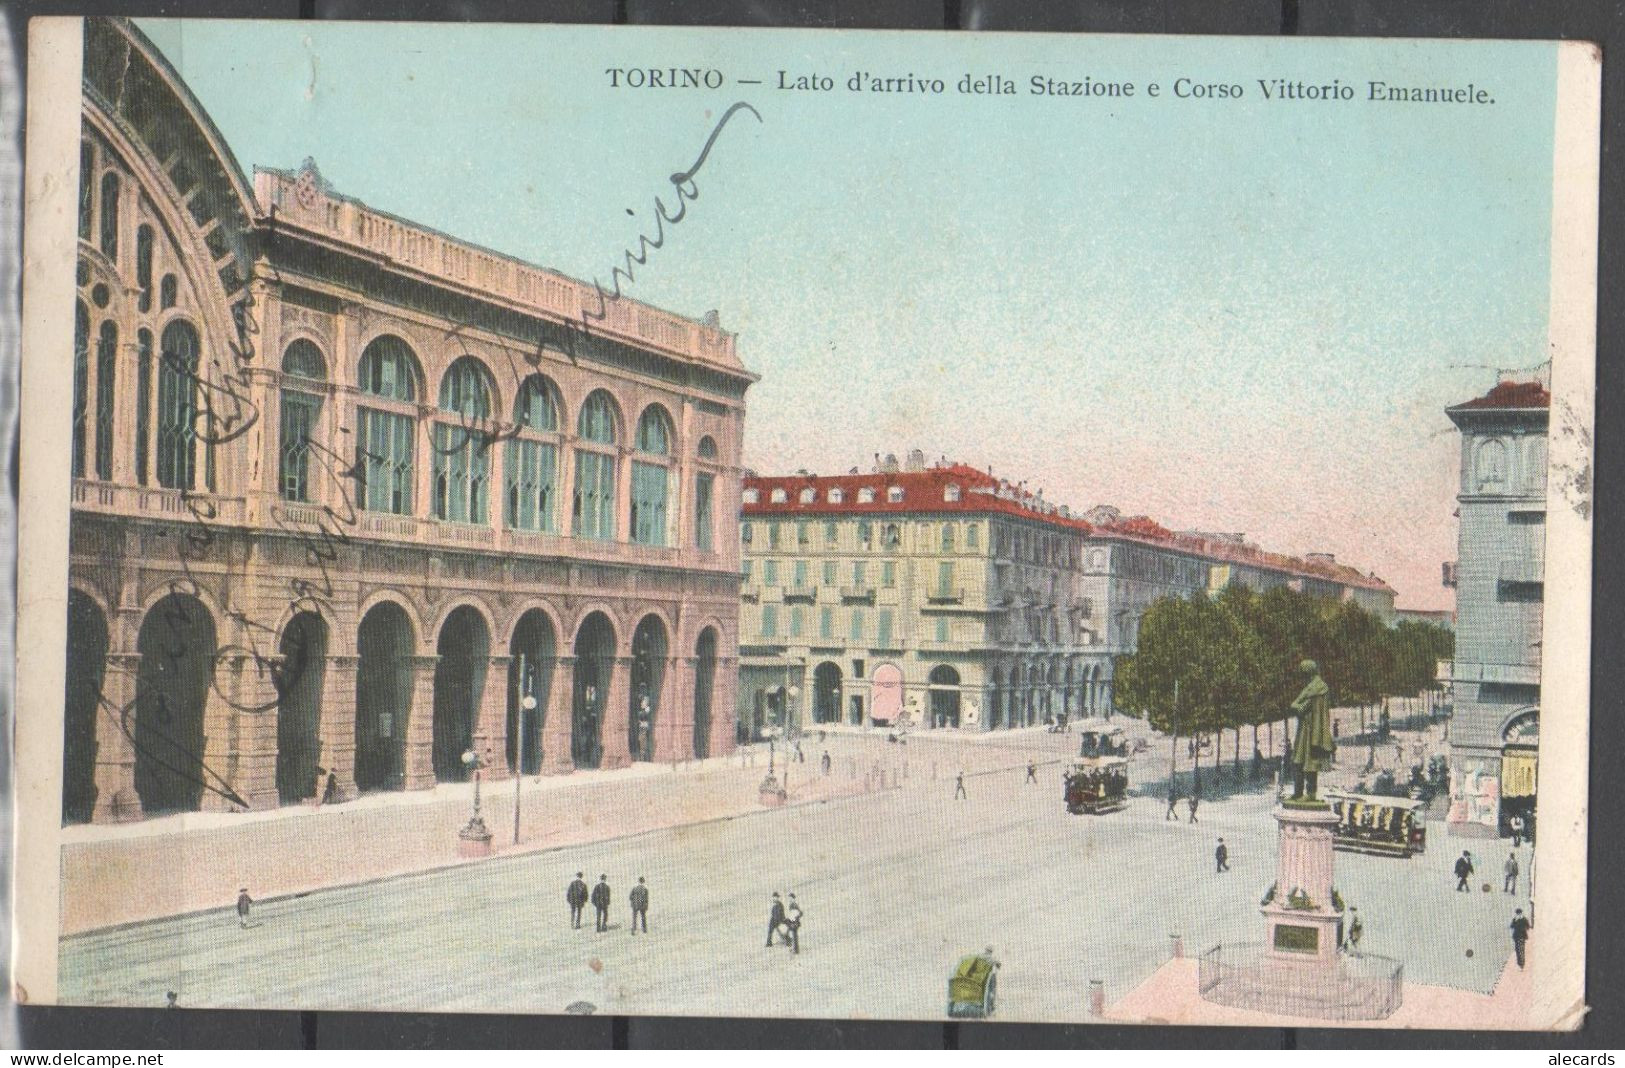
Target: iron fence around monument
[1355, 986]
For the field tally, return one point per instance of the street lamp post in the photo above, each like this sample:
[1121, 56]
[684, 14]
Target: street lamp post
[527, 705]
[475, 837]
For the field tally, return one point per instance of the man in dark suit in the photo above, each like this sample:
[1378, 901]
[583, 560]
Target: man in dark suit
[1464, 871]
[1221, 857]
[600, 902]
[775, 919]
[576, 897]
[640, 906]
[1520, 934]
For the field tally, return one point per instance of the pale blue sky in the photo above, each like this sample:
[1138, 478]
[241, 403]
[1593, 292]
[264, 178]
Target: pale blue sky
[1230, 315]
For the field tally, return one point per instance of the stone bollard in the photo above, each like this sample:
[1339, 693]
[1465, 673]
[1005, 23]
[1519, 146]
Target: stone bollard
[1097, 997]
[1176, 946]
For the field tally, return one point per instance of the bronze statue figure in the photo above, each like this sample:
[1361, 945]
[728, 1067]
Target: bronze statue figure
[1313, 748]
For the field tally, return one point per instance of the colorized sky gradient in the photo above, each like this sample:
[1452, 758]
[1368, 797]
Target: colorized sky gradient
[1237, 315]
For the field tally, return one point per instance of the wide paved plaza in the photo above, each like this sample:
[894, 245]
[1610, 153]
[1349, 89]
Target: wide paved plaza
[895, 885]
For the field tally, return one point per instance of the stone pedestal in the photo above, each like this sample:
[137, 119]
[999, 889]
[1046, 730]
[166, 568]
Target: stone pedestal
[772, 792]
[1300, 919]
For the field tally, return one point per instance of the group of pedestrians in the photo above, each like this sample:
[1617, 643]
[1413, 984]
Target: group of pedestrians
[577, 896]
[784, 923]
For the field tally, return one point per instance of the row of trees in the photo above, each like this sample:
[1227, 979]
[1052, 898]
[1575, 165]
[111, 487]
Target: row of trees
[1204, 665]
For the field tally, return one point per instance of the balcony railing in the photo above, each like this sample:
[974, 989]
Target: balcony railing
[405, 245]
[858, 593]
[279, 516]
[805, 594]
[941, 596]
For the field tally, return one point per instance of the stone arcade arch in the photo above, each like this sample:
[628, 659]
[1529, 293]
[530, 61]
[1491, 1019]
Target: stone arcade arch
[177, 647]
[87, 666]
[594, 660]
[705, 677]
[649, 652]
[532, 657]
[943, 683]
[299, 706]
[383, 697]
[827, 693]
[464, 652]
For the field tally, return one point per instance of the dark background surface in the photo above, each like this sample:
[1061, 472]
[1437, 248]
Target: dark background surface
[1595, 20]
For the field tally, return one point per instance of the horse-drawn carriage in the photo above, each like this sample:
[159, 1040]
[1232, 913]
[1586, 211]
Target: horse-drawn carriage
[973, 987]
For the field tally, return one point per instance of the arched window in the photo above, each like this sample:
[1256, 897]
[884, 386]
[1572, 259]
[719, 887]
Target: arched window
[866, 495]
[143, 267]
[531, 471]
[143, 401]
[708, 448]
[166, 292]
[894, 494]
[180, 355]
[305, 369]
[778, 496]
[654, 431]
[87, 188]
[462, 451]
[109, 229]
[81, 385]
[950, 492]
[836, 495]
[597, 420]
[1492, 463]
[750, 495]
[593, 509]
[650, 480]
[106, 362]
[387, 376]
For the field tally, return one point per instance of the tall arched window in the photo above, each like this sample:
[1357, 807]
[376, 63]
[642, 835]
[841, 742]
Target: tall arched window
[384, 453]
[143, 267]
[81, 385]
[651, 477]
[1492, 463]
[462, 449]
[708, 448]
[143, 401]
[180, 353]
[532, 468]
[87, 188]
[109, 230]
[106, 368]
[304, 375]
[594, 505]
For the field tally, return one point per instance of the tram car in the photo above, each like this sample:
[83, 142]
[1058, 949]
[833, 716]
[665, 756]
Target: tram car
[1096, 785]
[1102, 742]
[973, 987]
[1384, 826]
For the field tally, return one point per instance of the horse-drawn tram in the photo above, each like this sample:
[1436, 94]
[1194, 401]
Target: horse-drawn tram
[1386, 826]
[1097, 785]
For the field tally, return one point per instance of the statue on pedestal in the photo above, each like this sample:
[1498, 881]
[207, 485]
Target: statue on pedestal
[1313, 749]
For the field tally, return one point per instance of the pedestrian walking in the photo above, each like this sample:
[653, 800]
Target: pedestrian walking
[600, 902]
[1510, 883]
[575, 895]
[1258, 764]
[1520, 934]
[330, 792]
[1032, 771]
[1173, 804]
[244, 903]
[959, 788]
[1516, 824]
[1356, 930]
[792, 925]
[1464, 871]
[775, 919]
[639, 898]
[1191, 804]
[171, 1000]
[823, 762]
[801, 758]
[1221, 858]
[320, 793]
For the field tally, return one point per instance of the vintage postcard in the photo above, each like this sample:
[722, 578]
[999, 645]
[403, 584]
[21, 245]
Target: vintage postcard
[806, 524]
